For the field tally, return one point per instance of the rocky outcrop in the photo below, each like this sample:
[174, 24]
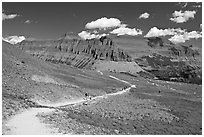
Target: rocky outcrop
[184, 50]
[156, 42]
[171, 69]
[77, 52]
[168, 61]
[174, 62]
[179, 50]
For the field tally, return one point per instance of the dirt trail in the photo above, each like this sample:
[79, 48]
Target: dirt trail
[110, 94]
[120, 80]
[64, 103]
[27, 123]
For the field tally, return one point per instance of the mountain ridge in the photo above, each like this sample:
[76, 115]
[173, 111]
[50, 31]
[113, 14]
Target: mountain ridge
[71, 50]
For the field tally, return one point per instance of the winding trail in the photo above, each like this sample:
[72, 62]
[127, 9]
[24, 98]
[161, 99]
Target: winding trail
[120, 80]
[27, 122]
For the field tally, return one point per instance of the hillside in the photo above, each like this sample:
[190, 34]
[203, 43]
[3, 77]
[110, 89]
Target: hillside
[102, 68]
[52, 96]
[26, 80]
[71, 50]
[78, 53]
[163, 59]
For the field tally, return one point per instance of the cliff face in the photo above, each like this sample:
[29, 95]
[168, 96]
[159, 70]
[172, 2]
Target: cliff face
[172, 49]
[177, 63]
[166, 61]
[76, 52]
[183, 50]
[156, 42]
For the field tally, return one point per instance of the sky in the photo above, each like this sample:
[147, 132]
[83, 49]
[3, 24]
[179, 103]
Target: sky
[52, 20]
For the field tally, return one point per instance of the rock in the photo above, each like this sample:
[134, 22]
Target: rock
[169, 68]
[76, 52]
[116, 131]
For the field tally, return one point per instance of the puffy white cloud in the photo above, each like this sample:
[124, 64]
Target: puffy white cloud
[181, 38]
[177, 39]
[181, 17]
[155, 32]
[193, 35]
[88, 35]
[126, 31]
[27, 21]
[144, 15]
[104, 23]
[11, 16]
[178, 35]
[14, 39]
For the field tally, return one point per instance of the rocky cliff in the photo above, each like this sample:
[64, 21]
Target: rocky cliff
[77, 52]
[172, 62]
[179, 50]
[165, 60]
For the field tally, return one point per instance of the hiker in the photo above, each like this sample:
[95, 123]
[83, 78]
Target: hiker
[87, 96]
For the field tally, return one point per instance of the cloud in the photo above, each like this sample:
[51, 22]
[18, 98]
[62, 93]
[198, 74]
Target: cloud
[178, 35]
[11, 16]
[88, 35]
[155, 32]
[104, 23]
[144, 15]
[193, 35]
[126, 31]
[177, 39]
[183, 4]
[181, 17]
[95, 32]
[14, 39]
[181, 38]
[28, 21]
[198, 5]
